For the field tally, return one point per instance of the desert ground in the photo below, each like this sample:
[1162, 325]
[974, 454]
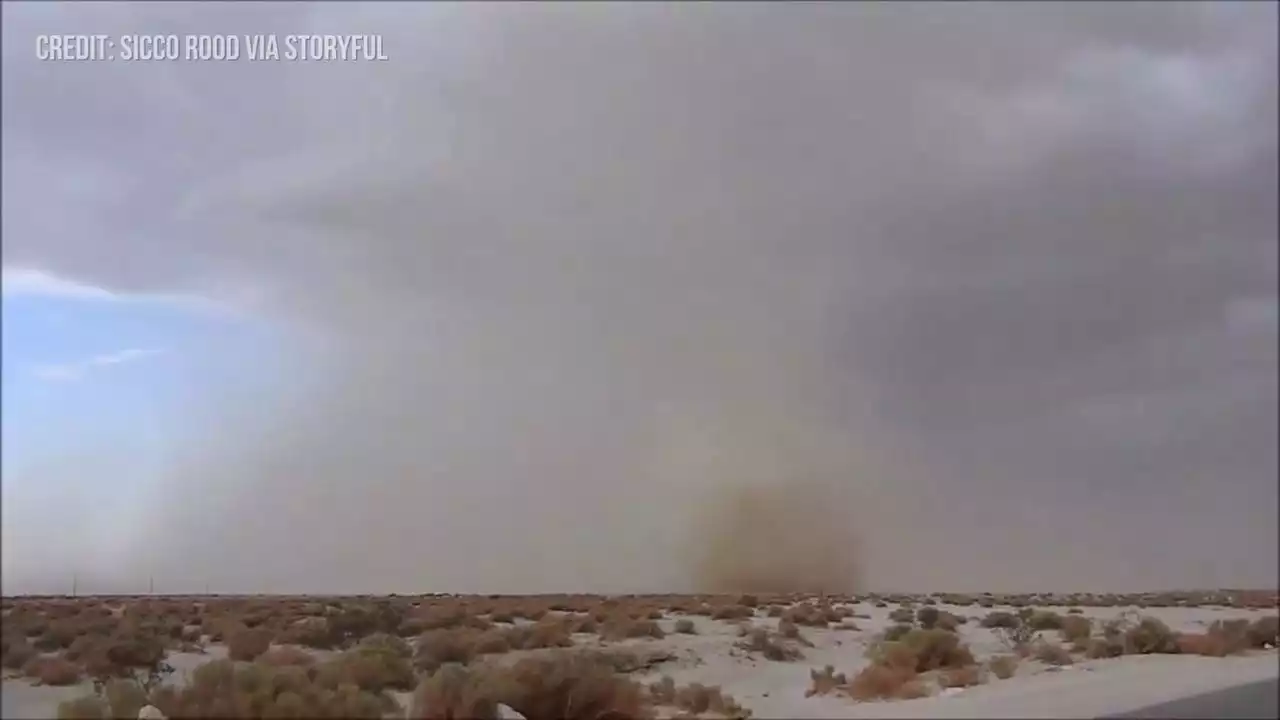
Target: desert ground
[580, 656]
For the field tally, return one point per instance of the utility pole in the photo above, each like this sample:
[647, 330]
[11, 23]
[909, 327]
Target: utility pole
[74, 583]
[151, 585]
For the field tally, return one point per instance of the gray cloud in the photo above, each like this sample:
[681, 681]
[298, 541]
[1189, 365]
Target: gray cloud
[567, 273]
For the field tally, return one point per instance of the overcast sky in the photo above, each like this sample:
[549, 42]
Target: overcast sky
[992, 287]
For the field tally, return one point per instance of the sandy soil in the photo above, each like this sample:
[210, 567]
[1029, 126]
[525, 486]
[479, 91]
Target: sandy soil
[777, 689]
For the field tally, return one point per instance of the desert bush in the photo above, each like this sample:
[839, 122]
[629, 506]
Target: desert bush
[928, 616]
[570, 686]
[1043, 620]
[1264, 631]
[1075, 629]
[455, 693]
[370, 668]
[247, 644]
[966, 676]
[623, 628]
[1151, 636]
[880, 682]
[287, 655]
[492, 642]
[928, 649]
[771, 646]
[732, 612]
[553, 633]
[1019, 636]
[902, 615]
[791, 631]
[52, 670]
[1000, 619]
[1207, 644]
[1051, 654]
[826, 681]
[894, 633]
[1003, 666]
[685, 626]
[124, 697]
[220, 688]
[437, 647]
[86, 707]
[17, 652]
[1106, 647]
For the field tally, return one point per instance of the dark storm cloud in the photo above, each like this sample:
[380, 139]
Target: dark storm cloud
[570, 271]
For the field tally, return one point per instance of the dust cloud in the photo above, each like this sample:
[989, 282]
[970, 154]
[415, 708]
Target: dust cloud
[657, 297]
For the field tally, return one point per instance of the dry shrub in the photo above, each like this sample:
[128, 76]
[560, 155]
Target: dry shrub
[685, 626]
[17, 652]
[966, 676]
[1044, 620]
[825, 682]
[791, 631]
[55, 670]
[370, 668]
[246, 644]
[1151, 636]
[492, 642]
[1076, 629]
[286, 655]
[1003, 666]
[570, 686]
[772, 646]
[623, 628]
[902, 615]
[1207, 644]
[455, 693]
[1264, 631]
[550, 633]
[894, 633]
[124, 698]
[922, 651]
[732, 612]
[1000, 619]
[437, 647]
[1051, 654]
[220, 688]
[86, 707]
[881, 682]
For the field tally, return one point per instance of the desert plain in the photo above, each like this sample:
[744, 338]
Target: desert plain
[632, 656]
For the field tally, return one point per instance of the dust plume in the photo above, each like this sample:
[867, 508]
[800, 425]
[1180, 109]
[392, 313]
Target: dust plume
[657, 297]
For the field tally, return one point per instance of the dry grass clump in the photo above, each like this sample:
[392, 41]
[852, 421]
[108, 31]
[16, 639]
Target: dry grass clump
[902, 615]
[922, 651]
[17, 651]
[621, 627]
[882, 682]
[1076, 630]
[1003, 666]
[685, 626]
[733, 612]
[52, 670]
[246, 644]
[896, 666]
[287, 655]
[961, 677]
[696, 699]
[791, 631]
[1051, 653]
[570, 686]
[826, 682]
[549, 632]
[447, 645]
[772, 646]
